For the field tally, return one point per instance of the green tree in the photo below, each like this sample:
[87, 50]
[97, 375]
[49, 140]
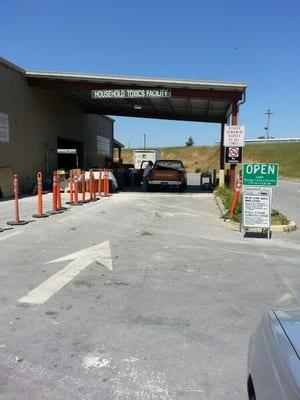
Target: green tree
[189, 142]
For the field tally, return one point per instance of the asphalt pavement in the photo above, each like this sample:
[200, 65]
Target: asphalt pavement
[287, 199]
[134, 297]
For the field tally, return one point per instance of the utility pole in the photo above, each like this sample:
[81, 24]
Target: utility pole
[145, 140]
[268, 113]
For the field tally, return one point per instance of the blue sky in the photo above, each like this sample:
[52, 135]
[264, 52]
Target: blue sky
[257, 42]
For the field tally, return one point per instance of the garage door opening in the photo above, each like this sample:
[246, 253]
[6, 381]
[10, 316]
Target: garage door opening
[69, 154]
[157, 98]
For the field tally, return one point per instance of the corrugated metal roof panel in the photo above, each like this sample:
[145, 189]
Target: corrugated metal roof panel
[166, 82]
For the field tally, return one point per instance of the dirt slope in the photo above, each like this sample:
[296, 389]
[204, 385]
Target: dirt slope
[202, 158]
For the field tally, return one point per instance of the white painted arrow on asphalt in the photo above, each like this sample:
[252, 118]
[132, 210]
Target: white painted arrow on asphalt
[81, 260]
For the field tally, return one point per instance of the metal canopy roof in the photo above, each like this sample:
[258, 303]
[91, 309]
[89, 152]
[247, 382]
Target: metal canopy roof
[203, 101]
[118, 145]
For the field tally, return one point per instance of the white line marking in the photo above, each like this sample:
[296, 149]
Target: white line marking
[285, 297]
[100, 253]
[10, 235]
[96, 360]
[292, 182]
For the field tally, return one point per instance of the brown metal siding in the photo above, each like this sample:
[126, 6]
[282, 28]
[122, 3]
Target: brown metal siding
[36, 118]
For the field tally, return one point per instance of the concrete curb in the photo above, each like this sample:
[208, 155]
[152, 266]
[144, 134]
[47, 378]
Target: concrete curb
[284, 228]
[220, 205]
[236, 226]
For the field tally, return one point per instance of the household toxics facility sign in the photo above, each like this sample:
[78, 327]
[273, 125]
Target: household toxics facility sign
[131, 93]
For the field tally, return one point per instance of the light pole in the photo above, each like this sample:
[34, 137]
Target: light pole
[145, 137]
[268, 113]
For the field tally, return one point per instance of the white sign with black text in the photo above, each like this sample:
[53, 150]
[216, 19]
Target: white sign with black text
[259, 191]
[234, 136]
[256, 211]
[103, 145]
[4, 128]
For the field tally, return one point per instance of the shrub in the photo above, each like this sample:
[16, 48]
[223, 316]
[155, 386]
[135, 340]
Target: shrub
[226, 195]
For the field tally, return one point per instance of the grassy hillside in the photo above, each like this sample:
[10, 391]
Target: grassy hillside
[203, 158]
[287, 155]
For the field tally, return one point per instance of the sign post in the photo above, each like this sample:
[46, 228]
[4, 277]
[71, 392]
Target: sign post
[234, 141]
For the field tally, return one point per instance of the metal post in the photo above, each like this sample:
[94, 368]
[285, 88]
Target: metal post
[222, 163]
[268, 113]
[271, 194]
[234, 121]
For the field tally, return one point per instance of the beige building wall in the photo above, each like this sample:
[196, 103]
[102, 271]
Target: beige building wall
[37, 118]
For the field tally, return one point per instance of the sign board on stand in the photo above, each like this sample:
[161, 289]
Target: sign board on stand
[256, 211]
[258, 180]
[259, 191]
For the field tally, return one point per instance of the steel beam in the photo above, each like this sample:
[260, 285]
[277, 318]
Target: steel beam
[79, 86]
[147, 114]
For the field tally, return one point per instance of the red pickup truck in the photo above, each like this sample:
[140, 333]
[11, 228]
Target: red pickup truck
[167, 174]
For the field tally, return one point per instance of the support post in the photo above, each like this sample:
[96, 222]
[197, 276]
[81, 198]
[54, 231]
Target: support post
[234, 121]
[221, 171]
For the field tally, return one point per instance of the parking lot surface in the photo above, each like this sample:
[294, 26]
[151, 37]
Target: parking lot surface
[135, 297]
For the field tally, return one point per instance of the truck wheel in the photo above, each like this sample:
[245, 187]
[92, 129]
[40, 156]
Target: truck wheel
[149, 188]
[251, 391]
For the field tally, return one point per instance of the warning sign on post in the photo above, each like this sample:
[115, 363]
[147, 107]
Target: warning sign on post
[233, 155]
[256, 211]
[234, 136]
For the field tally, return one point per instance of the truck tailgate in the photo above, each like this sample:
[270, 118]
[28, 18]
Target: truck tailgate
[164, 175]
